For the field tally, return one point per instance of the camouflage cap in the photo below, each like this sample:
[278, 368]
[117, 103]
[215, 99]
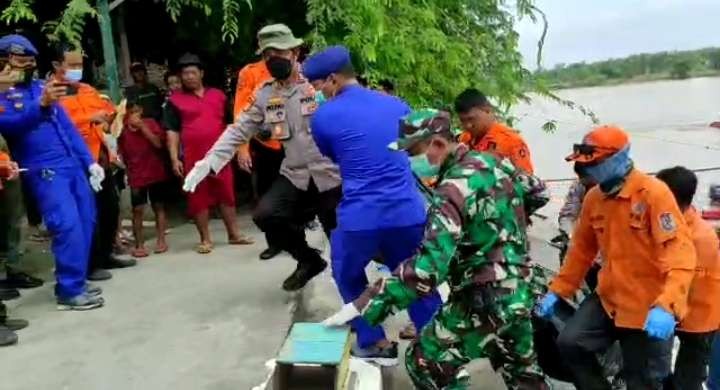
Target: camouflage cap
[420, 125]
[277, 36]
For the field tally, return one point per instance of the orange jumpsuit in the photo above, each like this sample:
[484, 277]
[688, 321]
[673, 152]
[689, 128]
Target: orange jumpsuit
[504, 141]
[648, 252]
[704, 299]
[81, 107]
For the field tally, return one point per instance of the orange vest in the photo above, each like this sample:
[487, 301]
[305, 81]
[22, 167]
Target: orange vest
[504, 141]
[648, 253]
[250, 79]
[81, 108]
[704, 299]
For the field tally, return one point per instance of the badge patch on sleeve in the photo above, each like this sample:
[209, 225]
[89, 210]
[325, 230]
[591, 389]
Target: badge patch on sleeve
[667, 223]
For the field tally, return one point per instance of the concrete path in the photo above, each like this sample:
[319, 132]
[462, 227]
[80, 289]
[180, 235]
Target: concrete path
[177, 321]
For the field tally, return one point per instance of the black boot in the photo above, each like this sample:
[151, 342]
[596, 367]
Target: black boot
[19, 279]
[310, 264]
[7, 294]
[7, 337]
[269, 253]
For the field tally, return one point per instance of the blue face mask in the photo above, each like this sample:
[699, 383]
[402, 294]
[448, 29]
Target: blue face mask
[74, 75]
[611, 171]
[320, 98]
[422, 167]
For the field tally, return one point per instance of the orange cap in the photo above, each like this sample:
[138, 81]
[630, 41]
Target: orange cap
[599, 143]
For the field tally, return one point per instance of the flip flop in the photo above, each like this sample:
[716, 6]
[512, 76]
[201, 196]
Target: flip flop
[161, 249]
[203, 248]
[139, 252]
[242, 240]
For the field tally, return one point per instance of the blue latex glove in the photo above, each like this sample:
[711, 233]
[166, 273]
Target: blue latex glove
[546, 307]
[659, 324]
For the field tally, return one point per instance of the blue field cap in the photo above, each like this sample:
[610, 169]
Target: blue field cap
[17, 45]
[322, 64]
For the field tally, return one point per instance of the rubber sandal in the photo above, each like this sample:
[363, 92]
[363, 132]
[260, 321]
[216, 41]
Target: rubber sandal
[161, 249]
[139, 252]
[242, 240]
[203, 249]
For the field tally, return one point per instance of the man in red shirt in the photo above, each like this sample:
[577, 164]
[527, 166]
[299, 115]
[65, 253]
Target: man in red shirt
[142, 147]
[197, 115]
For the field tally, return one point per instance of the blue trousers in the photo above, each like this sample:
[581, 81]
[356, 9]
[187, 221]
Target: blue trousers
[351, 251]
[67, 205]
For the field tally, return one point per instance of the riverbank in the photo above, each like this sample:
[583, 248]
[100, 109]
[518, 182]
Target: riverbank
[631, 80]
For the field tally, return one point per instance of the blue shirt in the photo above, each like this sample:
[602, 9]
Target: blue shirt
[40, 137]
[354, 129]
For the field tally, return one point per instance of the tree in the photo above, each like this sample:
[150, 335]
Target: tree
[431, 49]
[681, 69]
[70, 24]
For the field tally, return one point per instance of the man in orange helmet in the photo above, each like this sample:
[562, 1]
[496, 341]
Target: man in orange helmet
[632, 219]
[483, 133]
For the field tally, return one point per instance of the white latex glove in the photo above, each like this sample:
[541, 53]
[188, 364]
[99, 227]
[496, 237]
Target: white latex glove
[347, 313]
[97, 175]
[200, 170]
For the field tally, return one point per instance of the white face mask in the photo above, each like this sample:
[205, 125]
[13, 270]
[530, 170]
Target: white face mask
[74, 75]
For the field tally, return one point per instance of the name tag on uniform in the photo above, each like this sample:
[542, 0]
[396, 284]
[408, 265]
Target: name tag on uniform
[308, 105]
[276, 119]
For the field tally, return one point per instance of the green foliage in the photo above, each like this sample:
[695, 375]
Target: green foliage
[637, 67]
[230, 27]
[17, 11]
[69, 27]
[432, 49]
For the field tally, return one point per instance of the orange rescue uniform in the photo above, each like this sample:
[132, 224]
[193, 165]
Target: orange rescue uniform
[81, 108]
[648, 253]
[504, 141]
[704, 299]
[250, 79]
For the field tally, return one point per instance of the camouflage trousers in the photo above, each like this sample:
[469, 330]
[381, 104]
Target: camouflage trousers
[491, 322]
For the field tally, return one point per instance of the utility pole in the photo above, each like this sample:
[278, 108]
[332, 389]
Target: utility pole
[108, 43]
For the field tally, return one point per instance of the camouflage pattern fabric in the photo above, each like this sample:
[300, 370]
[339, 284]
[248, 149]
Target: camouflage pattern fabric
[475, 240]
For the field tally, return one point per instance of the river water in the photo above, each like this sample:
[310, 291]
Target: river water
[667, 121]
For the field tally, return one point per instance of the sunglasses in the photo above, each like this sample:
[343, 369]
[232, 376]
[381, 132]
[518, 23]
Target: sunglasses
[589, 150]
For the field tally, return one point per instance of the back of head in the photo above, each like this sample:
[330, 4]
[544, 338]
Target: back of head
[469, 99]
[682, 182]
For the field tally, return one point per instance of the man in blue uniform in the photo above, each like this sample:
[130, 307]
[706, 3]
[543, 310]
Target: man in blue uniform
[46, 143]
[381, 210]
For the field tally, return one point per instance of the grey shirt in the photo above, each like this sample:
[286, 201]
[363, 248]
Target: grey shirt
[283, 112]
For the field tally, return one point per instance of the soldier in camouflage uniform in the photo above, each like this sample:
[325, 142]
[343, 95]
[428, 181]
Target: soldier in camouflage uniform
[475, 240]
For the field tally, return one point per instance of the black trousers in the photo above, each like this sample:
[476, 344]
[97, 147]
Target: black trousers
[33, 214]
[691, 364]
[284, 210]
[107, 202]
[646, 361]
[266, 169]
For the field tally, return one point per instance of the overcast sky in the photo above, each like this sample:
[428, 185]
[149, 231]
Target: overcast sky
[592, 30]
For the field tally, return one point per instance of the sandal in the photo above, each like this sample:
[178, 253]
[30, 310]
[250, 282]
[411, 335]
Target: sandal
[203, 248]
[139, 252]
[160, 248]
[241, 240]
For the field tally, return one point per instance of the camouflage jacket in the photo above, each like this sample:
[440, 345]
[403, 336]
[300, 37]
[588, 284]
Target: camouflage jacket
[476, 233]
